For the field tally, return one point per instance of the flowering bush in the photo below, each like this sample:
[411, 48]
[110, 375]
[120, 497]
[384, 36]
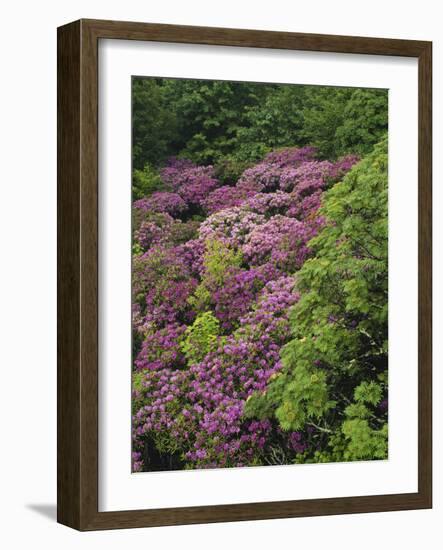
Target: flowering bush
[200, 409]
[163, 202]
[226, 197]
[161, 285]
[266, 175]
[234, 298]
[160, 347]
[231, 226]
[307, 177]
[171, 174]
[191, 256]
[153, 233]
[193, 183]
[270, 204]
[281, 240]
[215, 278]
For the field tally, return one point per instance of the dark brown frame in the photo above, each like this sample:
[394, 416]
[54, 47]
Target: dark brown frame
[77, 456]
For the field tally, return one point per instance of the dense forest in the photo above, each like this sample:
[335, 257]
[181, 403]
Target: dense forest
[259, 274]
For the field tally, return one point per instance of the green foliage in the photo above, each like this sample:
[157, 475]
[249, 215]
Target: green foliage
[344, 120]
[209, 114]
[275, 122]
[145, 182]
[365, 121]
[137, 250]
[201, 337]
[201, 298]
[368, 392]
[307, 399]
[335, 368]
[364, 442]
[137, 390]
[219, 261]
[233, 124]
[153, 122]
[229, 169]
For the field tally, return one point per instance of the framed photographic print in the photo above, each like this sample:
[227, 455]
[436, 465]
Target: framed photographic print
[244, 275]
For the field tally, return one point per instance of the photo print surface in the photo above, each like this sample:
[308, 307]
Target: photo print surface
[259, 274]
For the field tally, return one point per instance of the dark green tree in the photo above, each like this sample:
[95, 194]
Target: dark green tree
[365, 121]
[153, 123]
[209, 114]
[234, 124]
[344, 120]
[275, 122]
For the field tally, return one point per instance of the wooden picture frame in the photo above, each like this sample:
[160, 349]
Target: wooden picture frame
[77, 481]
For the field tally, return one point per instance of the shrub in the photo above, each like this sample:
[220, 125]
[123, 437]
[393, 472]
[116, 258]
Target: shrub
[145, 182]
[200, 337]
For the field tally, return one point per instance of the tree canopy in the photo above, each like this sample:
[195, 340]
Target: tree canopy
[232, 125]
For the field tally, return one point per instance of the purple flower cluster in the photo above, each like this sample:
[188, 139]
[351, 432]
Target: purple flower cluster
[161, 285]
[343, 165]
[168, 301]
[226, 197]
[296, 442]
[172, 173]
[167, 232]
[231, 226]
[163, 202]
[194, 411]
[239, 292]
[193, 183]
[191, 254]
[270, 204]
[266, 175]
[151, 234]
[307, 177]
[291, 156]
[281, 241]
[160, 347]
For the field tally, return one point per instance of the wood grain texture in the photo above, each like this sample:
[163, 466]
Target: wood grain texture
[77, 454]
[254, 38]
[425, 273]
[68, 276]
